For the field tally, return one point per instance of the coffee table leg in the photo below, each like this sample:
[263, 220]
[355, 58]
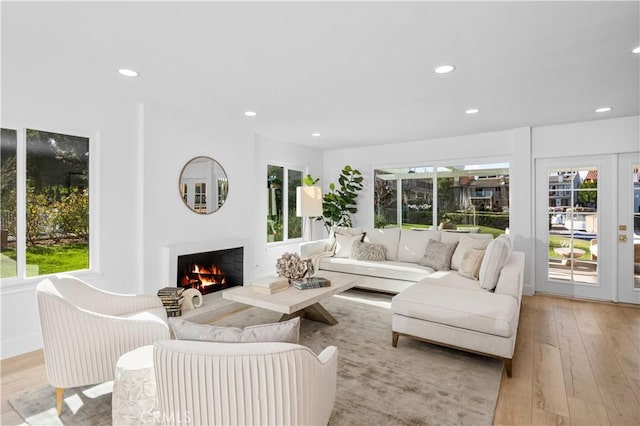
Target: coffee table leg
[315, 312]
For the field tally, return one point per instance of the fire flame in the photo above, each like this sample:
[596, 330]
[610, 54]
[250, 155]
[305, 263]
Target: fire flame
[200, 276]
[209, 276]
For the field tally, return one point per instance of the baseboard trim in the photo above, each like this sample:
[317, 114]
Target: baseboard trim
[528, 290]
[21, 345]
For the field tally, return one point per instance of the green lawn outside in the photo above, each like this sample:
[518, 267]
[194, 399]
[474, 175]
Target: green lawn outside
[49, 259]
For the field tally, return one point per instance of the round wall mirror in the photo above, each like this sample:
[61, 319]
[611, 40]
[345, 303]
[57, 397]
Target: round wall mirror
[203, 185]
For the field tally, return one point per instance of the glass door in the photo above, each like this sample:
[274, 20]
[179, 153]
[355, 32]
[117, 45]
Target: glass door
[628, 228]
[575, 209]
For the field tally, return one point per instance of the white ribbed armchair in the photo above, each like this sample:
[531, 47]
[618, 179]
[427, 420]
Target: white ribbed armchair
[85, 330]
[207, 383]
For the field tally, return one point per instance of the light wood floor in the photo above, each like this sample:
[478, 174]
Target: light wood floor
[576, 363]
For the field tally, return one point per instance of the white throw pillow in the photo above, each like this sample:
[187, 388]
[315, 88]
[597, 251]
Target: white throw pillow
[344, 244]
[414, 243]
[495, 257]
[465, 244]
[285, 331]
[471, 262]
[331, 245]
[388, 237]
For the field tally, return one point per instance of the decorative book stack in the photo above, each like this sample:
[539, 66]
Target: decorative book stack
[312, 282]
[270, 285]
[172, 300]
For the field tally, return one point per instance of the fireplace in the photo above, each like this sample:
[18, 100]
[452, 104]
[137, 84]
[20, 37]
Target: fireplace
[234, 256]
[211, 271]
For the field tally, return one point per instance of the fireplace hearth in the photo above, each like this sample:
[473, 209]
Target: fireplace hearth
[211, 271]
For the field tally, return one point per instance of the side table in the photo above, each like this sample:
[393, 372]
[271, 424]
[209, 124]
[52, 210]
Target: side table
[134, 388]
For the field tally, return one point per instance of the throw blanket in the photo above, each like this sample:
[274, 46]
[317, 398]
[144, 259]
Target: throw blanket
[316, 258]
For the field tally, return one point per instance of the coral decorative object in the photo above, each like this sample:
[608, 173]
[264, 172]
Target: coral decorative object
[291, 266]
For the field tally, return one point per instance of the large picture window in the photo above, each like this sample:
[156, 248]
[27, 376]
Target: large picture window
[282, 222]
[464, 198]
[55, 226]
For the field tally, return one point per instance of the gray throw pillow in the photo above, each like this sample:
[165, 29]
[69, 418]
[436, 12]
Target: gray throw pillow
[368, 251]
[438, 255]
[285, 331]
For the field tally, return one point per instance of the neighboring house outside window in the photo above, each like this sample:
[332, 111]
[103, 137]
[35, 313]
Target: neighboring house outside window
[282, 222]
[466, 198]
[54, 232]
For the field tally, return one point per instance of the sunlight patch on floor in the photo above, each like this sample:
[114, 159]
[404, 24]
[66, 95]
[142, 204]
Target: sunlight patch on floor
[386, 304]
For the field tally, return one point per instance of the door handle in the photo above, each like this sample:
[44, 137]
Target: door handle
[622, 238]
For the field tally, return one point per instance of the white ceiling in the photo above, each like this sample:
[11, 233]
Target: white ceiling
[359, 73]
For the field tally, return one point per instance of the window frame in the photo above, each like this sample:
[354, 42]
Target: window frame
[94, 271]
[285, 202]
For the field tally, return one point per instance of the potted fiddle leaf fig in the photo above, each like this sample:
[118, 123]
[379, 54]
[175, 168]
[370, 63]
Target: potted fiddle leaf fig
[341, 201]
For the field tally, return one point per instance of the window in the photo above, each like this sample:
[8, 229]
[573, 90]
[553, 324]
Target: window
[281, 204]
[467, 198]
[54, 230]
[8, 198]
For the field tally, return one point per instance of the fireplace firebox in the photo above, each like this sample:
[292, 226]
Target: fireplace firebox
[212, 270]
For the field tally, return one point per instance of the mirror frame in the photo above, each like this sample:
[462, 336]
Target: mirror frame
[187, 186]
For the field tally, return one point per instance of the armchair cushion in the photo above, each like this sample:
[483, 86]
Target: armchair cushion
[285, 331]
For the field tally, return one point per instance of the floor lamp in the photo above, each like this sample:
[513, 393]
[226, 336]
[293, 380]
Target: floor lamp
[308, 204]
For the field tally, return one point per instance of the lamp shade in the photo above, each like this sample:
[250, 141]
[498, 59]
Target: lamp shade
[308, 201]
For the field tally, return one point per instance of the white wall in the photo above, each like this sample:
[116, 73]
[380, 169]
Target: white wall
[601, 137]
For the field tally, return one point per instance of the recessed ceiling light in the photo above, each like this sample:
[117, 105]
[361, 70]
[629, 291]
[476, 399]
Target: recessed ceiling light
[128, 73]
[443, 69]
[316, 135]
[250, 113]
[636, 50]
[604, 109]
[472, 111]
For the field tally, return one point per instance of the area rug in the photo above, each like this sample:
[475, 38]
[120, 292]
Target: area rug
[414, 384]
[87, 405]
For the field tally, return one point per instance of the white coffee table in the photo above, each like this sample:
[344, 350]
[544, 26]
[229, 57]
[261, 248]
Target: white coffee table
[293, 302]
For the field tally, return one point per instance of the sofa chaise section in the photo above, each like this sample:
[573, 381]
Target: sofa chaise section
[447, 311]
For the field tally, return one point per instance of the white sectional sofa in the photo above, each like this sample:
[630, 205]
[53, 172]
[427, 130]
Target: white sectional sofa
[438, 306]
